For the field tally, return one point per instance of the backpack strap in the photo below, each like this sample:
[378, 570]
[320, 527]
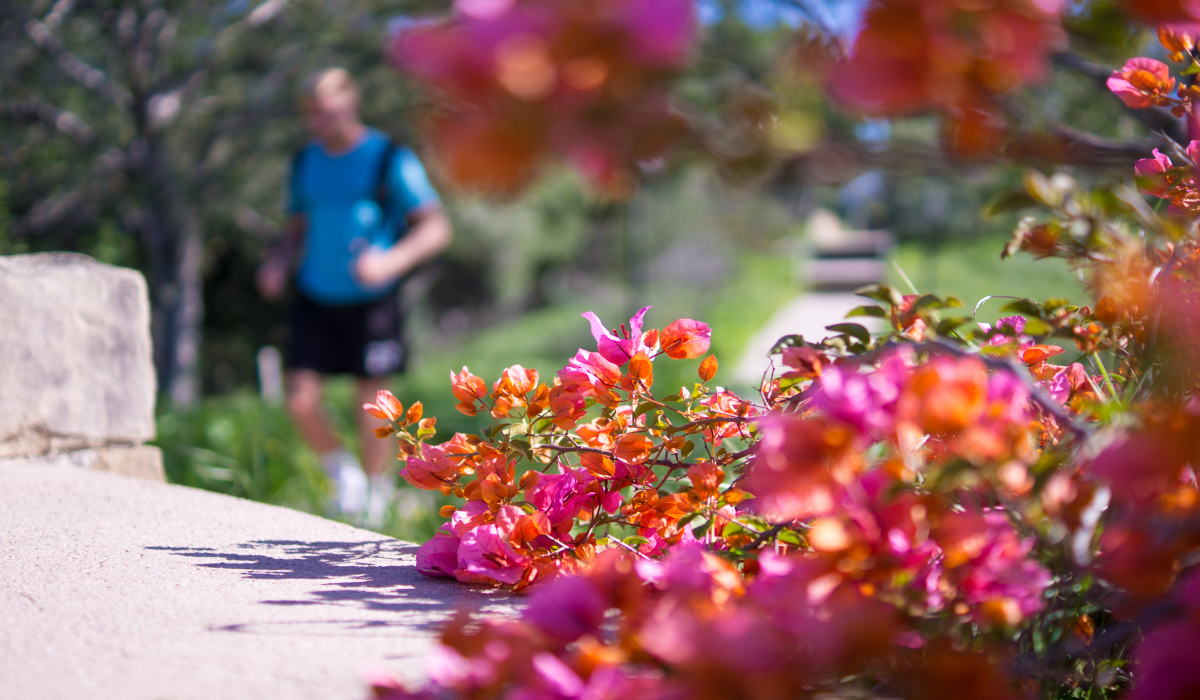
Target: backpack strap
[381, 179]
[297, 161]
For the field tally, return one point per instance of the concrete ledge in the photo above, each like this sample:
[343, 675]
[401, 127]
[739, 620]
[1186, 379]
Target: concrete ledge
[124, 588]
[139, 461]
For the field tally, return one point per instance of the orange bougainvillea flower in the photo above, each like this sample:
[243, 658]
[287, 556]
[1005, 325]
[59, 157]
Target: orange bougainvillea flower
[1039, 353]
[386, 407]
[641, 372]
[516, 381]
[467, 387]
[946, 396]
[685, 339]
[633, 448]
[1178, 40]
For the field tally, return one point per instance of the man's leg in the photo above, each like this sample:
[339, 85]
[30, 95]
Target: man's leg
[308, 414]
[379, 456]
[304, 405]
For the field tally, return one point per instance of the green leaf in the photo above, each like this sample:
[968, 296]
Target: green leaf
[687, 448]
[881, 293]
[790, 537]
[1010, 201]
[644, 409]
[928, 300]
[523, 447]
[635, 540]
[868, 310]
[1036, 326]
[853, 330]
[787, 341]
[948, 325]
[1041, 189]
[1024, 307]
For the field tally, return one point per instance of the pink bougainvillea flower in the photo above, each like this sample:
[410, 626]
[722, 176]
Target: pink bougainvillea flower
[561, 496]
[685, 339]
[1007, 329]
[1142, 82]
[433, 470]
[485, 551]
[991, 568]
[439, 556]
[471, 514]
[566, 608]
[1154, 171]
[613, 348]
[527, 80]
[484, 9]
[792, 474]
[1157, 165]
[867, 401]
[590, 374]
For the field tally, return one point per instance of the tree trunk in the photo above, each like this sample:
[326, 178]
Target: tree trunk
[184, 386]
[173, 239]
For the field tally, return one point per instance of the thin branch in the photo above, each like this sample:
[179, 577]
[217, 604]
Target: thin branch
[32, 109]
[92, 78]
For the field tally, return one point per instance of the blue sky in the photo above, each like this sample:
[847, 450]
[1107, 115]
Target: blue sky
[837, 16]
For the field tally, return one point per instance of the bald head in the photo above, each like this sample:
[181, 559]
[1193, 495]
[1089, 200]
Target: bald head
[329, 102]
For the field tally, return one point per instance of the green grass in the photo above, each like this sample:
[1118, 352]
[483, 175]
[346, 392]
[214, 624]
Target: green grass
[971, 270]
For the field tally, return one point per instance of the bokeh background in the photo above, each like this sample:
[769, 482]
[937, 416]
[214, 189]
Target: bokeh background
[157, 135]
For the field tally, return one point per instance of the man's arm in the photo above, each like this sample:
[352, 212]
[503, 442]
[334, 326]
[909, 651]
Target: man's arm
[429, 233]
[273, 274]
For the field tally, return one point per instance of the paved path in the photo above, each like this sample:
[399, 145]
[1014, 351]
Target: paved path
[806, 315]
[114, 587]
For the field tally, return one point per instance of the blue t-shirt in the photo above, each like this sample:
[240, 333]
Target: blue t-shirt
[337, 196]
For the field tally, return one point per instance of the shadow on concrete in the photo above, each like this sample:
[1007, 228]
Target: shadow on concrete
[377, 576]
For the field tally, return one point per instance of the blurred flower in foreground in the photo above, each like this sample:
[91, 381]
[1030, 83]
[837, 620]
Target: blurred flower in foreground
[952, 56]
[521, 81]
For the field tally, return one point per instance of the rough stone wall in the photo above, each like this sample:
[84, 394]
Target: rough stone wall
[76, 370]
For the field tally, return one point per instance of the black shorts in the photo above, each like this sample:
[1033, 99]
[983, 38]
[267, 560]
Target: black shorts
[365, 340]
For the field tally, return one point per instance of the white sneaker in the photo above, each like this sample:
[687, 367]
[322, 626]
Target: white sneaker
[349, 482]
[379, 501]
[351, 489]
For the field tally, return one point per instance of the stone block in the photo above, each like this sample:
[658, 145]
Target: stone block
[75, 357]
[141, 461]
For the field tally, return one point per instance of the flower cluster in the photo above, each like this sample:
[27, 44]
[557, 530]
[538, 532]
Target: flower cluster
[523, 80]
[898, 514]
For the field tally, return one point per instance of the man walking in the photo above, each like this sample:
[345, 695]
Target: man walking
[362, 214]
